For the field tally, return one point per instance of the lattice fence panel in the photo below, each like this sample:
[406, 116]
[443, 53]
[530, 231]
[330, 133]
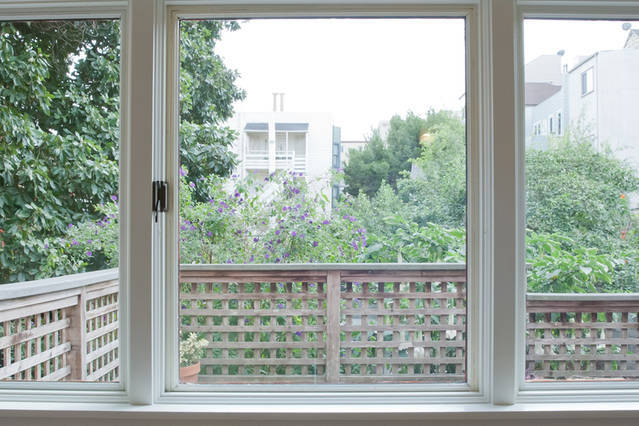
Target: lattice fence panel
[582, 340]
[102, 327]
[258, 332]
[402, 332]
[34, 340]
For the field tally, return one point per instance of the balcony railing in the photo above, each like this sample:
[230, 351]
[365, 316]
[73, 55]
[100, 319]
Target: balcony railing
[284, 160]
[353, 323]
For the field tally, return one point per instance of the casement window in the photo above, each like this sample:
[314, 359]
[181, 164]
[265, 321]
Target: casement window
[450, 336]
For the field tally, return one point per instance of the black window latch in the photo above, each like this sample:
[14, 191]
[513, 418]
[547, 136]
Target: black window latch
[160, 197]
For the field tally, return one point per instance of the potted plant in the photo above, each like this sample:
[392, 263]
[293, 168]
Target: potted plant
[191, 351]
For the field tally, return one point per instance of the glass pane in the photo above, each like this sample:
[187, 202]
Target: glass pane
[582, 194]
[60, 138]
[337, 253]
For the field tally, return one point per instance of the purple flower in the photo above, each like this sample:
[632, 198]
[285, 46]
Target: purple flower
[297, 191]
[283, 209]
[211, 200]
[266, 256]
[220, 209]
[252, 258]
[191, 184]
[255, 239]
[114, 198]
[192, 228]
[237, 194]
[89, 253]
[326, 222]
[74, 243]
[280, 305]
[183, 227]
[88, 242]
[209, 233]
[293, 233]
[315, 243]
[298, 206]
[46, 246]
[201, 178]
[286, 255]
[277, 260]
[229, 261]
[354, 244]
[70, 225]
[277, 232]
[298, 333]
[182, 172]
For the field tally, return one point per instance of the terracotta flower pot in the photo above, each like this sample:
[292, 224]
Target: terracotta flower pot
[189, 373]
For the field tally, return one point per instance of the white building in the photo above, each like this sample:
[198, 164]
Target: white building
[304, 142]
[598, 95]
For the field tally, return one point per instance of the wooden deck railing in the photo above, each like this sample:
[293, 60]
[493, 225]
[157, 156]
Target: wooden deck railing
[63, 328]
[327, 323]
[582, 336]
[312, 324]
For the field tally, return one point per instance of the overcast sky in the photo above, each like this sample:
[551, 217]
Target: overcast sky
[363, 71]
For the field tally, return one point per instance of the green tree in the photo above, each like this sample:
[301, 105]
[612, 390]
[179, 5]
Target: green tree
[58, 126]
[207, 94]
[59, 129]
[574, 189]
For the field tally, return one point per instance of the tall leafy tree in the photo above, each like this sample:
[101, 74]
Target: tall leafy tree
[59, 128]
[207, 94]
[386, 158]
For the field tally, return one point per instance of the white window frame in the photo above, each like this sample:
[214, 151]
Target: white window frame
[566, 391]
[473, 390]
[498, 235]
[67, 391]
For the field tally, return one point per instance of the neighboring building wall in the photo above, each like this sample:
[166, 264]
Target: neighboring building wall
[543, 121]
[618, 102]
[583, 107]
[544, 69]
[315, 145]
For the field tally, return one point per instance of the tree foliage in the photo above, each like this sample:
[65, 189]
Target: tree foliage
[59, 133]
[59, 128]
[207, 94]
[574, 189]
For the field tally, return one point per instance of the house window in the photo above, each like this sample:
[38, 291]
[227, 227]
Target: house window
[587, 81]
[292, 321]
[579, 324]
[59, 233]
[559, 129]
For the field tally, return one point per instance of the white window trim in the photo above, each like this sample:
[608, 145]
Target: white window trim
[67, 391]
[498, 237]
[565, 391]
[474, 390]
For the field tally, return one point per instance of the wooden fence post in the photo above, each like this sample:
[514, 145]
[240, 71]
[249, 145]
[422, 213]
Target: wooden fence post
[78, 338]
[333, 282]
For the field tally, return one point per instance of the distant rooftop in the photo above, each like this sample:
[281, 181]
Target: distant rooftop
[536, 93]
[632, 42]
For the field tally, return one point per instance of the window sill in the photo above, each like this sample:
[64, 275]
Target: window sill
[285, 412]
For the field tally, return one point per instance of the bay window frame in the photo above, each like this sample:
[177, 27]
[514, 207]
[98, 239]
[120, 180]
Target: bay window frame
[496, 196]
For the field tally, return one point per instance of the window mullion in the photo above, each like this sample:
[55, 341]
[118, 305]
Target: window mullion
[140, 102]
[505, 203]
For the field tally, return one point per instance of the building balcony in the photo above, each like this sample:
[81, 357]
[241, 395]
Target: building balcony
[284, 160]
